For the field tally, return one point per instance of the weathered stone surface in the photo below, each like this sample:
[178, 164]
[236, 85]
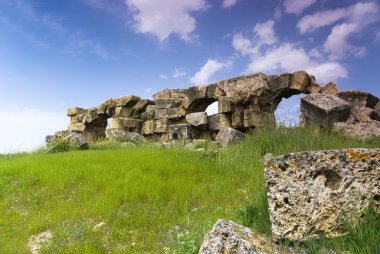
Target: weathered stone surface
[225, 105]
[224, 120]
[142, 104]
[171, 113]
[122, 112]
[161, 126]
[214, 91]
[376, 112]
[330, 88]
[325, 109]
[303, 82]
[255, 118]
[360, 130]
[197, 119]
[359, 98]
[126, 101]
[310, 193]
[114, 134]
[213, 122]
[182, 131]
[229, 237]
[237, 117]
[166, 103]
[148, 127]
[360, 114]
[77, 127]
[241, 89]
[77, 140]
[76, 111]
[228, 136]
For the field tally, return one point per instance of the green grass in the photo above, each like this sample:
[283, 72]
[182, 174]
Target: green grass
[153, 200]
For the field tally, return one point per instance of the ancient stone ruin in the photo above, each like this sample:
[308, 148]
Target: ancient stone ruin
[244, 103]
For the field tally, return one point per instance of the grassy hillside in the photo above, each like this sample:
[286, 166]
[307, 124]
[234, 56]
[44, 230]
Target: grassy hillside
[152, 200]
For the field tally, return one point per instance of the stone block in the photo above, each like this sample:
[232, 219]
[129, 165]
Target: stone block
[148, 127]
[122, 112]
[161, 125]
[213, 122]
[214, 92]
[360, 130]
[77, 127]
[228, 136]
[359, 98]
[225, 105]
[237, 117]
[143, 104]
[278, 83]
[126, 101]
[76, 111]
[62, 134]
[313, 193]
[299, 81]
[114, 134]
[325, 109]
[173, 113]
[77, 118]
[149, 112]
[197, 119]
[182, 131]
[167, 103]
[160, 113]
[330, 88]
[224, 120]
[256, 118]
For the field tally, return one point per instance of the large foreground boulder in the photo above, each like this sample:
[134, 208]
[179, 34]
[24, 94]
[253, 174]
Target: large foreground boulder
[228, 136]
[311, 193]
[229, 237]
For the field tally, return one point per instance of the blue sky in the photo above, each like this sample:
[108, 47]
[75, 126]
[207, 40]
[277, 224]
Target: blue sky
[57, 54]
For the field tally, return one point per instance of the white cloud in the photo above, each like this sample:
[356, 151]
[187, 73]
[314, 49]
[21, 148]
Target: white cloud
[265, 33]
[207, 71]
[162, 76]
[165, 17]
[25, 129]
[297, 6]
[229, 3]
[179, 72]
[360, 14]
[337, 42]
[288, 57]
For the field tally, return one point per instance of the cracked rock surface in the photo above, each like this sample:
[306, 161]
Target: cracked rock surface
[311, 193]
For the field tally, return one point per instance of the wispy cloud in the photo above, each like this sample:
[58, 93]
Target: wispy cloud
[204, 75]
[179, 72]
[297, 6]
[229, 3]
[165, 17]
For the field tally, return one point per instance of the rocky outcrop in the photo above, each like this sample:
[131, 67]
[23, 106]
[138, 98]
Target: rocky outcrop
[311, 193]
[229, 237]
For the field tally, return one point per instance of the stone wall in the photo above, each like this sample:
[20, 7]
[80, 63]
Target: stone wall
[244, 103]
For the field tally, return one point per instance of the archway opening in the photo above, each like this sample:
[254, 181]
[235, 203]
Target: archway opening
[288, 112]
[212, 109]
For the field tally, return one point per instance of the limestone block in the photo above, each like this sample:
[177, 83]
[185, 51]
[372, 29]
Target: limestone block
[101, 108]
[182, 131]
[149, 112]
[148, 127]
[114, 134]
[193, 94]
[122, 112]
[311, 193]
[91, 116]
[225, 105]
[118, 123]
[166, 103]
[299, 81]
[77, 140]
[224, 120]
[161, 125]
[359, 98]
[213, 122]
[176, 94]
[126, 101]
[256, 118]
[278, 83]
[77, 118]
[241, 89]
[160, 113]
[237, 117]
[63, 133]
[360, 114]
[229, 237]
[361, 130]
[143, 104]
[214, 91]
[77, 127]
[330, 88]
[76, 111]
[50, 138]
[325, 109]
[197, 119]
[173, 113]
[228, 136]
